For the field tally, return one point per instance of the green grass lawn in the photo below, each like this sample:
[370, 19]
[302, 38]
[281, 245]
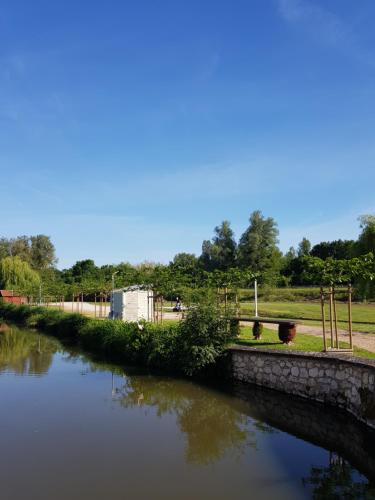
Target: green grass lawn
[310, 313]
[302, 342]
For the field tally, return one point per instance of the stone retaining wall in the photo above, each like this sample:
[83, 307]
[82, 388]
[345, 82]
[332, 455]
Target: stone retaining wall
[344, 382]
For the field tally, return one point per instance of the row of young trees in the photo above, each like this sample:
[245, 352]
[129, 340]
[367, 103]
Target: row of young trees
[28, 262]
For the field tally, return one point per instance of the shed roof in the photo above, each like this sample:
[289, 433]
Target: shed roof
[134, 288]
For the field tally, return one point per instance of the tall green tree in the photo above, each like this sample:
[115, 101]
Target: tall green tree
[337, 249]
[257, 248]
[38, 251]
[209, 256]
[84, 269]
[304, 247]
[226, 246]
[42, 252]
[20, 247]
[220, 253]
[290, 254]
[4, 248]
[366, 240]
[17, 274]
[185, 264]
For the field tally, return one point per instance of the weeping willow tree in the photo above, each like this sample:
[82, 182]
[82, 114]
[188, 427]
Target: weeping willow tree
[15, 274]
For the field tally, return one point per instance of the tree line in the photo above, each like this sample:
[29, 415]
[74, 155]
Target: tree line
[29, 261]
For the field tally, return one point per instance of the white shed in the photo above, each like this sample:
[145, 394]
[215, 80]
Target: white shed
[133, 303]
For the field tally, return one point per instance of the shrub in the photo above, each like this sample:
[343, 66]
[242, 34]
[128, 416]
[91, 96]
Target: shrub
[162, 351]
[202, 339]
[188, 347]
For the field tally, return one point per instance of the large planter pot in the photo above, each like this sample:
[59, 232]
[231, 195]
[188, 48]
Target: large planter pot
[287, 332]
[234, 327]
[257, 330]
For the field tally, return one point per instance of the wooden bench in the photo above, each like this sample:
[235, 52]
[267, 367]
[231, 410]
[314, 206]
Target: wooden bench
[287, 327]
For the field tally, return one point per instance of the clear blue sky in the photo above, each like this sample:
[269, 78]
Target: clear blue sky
[128, 130]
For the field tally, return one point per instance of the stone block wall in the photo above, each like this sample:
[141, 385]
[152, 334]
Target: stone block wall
[340, 381]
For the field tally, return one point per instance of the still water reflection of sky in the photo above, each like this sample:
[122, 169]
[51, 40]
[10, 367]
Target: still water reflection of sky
[74, 428]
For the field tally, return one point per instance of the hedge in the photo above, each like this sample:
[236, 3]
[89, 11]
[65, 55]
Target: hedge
[187, 347]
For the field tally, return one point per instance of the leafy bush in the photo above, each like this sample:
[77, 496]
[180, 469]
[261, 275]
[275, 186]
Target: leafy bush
[188, 346]
[202, 337]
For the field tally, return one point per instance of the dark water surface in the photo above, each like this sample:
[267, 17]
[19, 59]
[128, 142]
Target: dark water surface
[73, 428]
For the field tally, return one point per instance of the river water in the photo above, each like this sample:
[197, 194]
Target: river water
[74, 428]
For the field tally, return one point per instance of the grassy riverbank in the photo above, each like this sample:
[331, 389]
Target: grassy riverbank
[187, 347]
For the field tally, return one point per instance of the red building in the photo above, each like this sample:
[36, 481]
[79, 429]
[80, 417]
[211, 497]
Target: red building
[12, 297]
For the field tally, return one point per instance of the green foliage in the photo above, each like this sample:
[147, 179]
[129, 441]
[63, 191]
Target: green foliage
[294, 270]
[84, 269]
[226, 246]
[333, 271]
[304, 247]
[222, 263]
[257, 249]
[38, 251]
[220, 253]
[42, 252]
[16, 274]
[338, 249]
[25, 352]
[185, 263]
[187, 347]
[202, 338]
[51, 321]
[366, 243]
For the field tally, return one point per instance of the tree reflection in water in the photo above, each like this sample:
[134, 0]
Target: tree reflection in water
[212, 426]
[216, 424]
[338, 481]
[25, 352]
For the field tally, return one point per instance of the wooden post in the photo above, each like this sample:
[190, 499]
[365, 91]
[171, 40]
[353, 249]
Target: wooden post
[95, 306]
[350, 291]
[335, 317]
[323, 318]
[331, 314]
[72, 302]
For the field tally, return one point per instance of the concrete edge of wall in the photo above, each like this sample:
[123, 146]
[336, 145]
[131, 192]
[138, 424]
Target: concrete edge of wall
[343, 381]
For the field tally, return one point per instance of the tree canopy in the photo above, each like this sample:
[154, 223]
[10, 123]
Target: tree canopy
[17, 274]
[257, 247]
[38, 251]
